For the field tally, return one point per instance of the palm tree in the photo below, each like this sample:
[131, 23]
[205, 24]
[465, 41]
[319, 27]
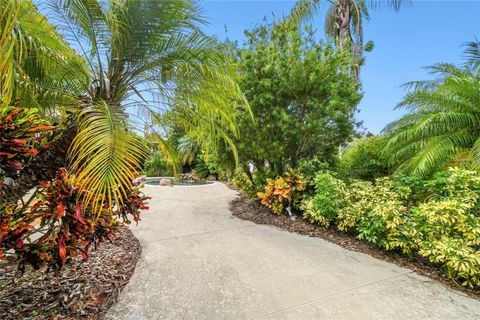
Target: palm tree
[137, 61]
[144, 58]
[443, 118]
[343, 21]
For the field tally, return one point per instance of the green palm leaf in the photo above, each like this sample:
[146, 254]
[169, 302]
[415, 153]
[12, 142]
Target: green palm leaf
[443, 120]
[146, 60]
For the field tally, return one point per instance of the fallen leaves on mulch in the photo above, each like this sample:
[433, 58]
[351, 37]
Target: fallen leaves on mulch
[82, 290]
[248, 209]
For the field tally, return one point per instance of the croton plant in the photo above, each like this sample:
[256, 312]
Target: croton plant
[54, 225]
[22, 134]
[282, 191]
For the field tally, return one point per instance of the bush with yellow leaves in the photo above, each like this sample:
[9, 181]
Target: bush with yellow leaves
[282, 192]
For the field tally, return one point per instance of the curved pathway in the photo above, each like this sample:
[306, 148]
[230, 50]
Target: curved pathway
[199, 262]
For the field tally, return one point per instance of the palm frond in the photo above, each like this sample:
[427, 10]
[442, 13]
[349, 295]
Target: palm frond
[443, 119]
[472, 54]
[104, 155]
[303, 9]
[395, 4]
[8, 18]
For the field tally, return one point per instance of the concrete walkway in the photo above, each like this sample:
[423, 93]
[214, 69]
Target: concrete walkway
[199, 262]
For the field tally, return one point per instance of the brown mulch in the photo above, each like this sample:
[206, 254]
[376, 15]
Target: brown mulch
[83, 290]
[247, 209]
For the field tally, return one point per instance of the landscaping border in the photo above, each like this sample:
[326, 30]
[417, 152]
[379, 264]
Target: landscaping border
[248, 209]
[82, 290]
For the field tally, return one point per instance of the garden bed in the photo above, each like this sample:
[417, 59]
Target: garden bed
[247, 209]
[83, 290]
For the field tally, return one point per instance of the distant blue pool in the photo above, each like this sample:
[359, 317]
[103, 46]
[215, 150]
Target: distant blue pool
[179, 182]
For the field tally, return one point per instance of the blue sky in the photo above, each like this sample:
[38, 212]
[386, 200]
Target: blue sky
[421, 34]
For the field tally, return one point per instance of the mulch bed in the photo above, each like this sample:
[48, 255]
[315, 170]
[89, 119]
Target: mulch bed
[247, 209]
[83, 290]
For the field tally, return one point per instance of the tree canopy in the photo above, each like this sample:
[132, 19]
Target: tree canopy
[301, 96]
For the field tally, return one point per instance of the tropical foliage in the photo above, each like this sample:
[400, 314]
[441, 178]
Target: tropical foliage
[443, 120]
[157, 166]
[37, 67]
[55, 226]
[129, 62]
[22, 134]
[364, 159]
[143, 57]
[282, 192]
[323, 207]
[442, 226]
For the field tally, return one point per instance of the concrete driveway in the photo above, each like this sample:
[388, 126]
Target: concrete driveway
[199, 262]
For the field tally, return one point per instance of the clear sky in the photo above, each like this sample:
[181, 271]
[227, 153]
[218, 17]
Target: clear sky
[421, 34]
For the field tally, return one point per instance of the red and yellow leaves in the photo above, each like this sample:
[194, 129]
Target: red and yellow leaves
[73, 227]
[20, 132]
[280, 192]
[60, 211]
[62, 249]
[40, 128]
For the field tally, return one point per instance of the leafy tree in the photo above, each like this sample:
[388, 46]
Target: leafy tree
[443, 118]
[343, 22]
[301, 96]
[156, 166]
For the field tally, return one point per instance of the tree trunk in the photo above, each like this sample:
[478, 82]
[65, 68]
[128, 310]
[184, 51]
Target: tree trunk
[342, 23]
[246, 169]
[43, 167]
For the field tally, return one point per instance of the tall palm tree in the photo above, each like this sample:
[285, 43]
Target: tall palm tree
[343, 21]
[443, 118]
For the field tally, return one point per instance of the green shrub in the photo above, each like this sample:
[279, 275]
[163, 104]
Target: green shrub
[309, 168]
[382, 215]
[325, 205]
[364, 160]
[241, 181]
[447, 228]
[156, 166]
[438, 218]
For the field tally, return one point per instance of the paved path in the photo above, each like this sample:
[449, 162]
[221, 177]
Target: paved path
[199, 262]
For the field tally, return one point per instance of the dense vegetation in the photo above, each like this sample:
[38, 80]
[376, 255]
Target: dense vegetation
[436, 218]
[299, 93]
